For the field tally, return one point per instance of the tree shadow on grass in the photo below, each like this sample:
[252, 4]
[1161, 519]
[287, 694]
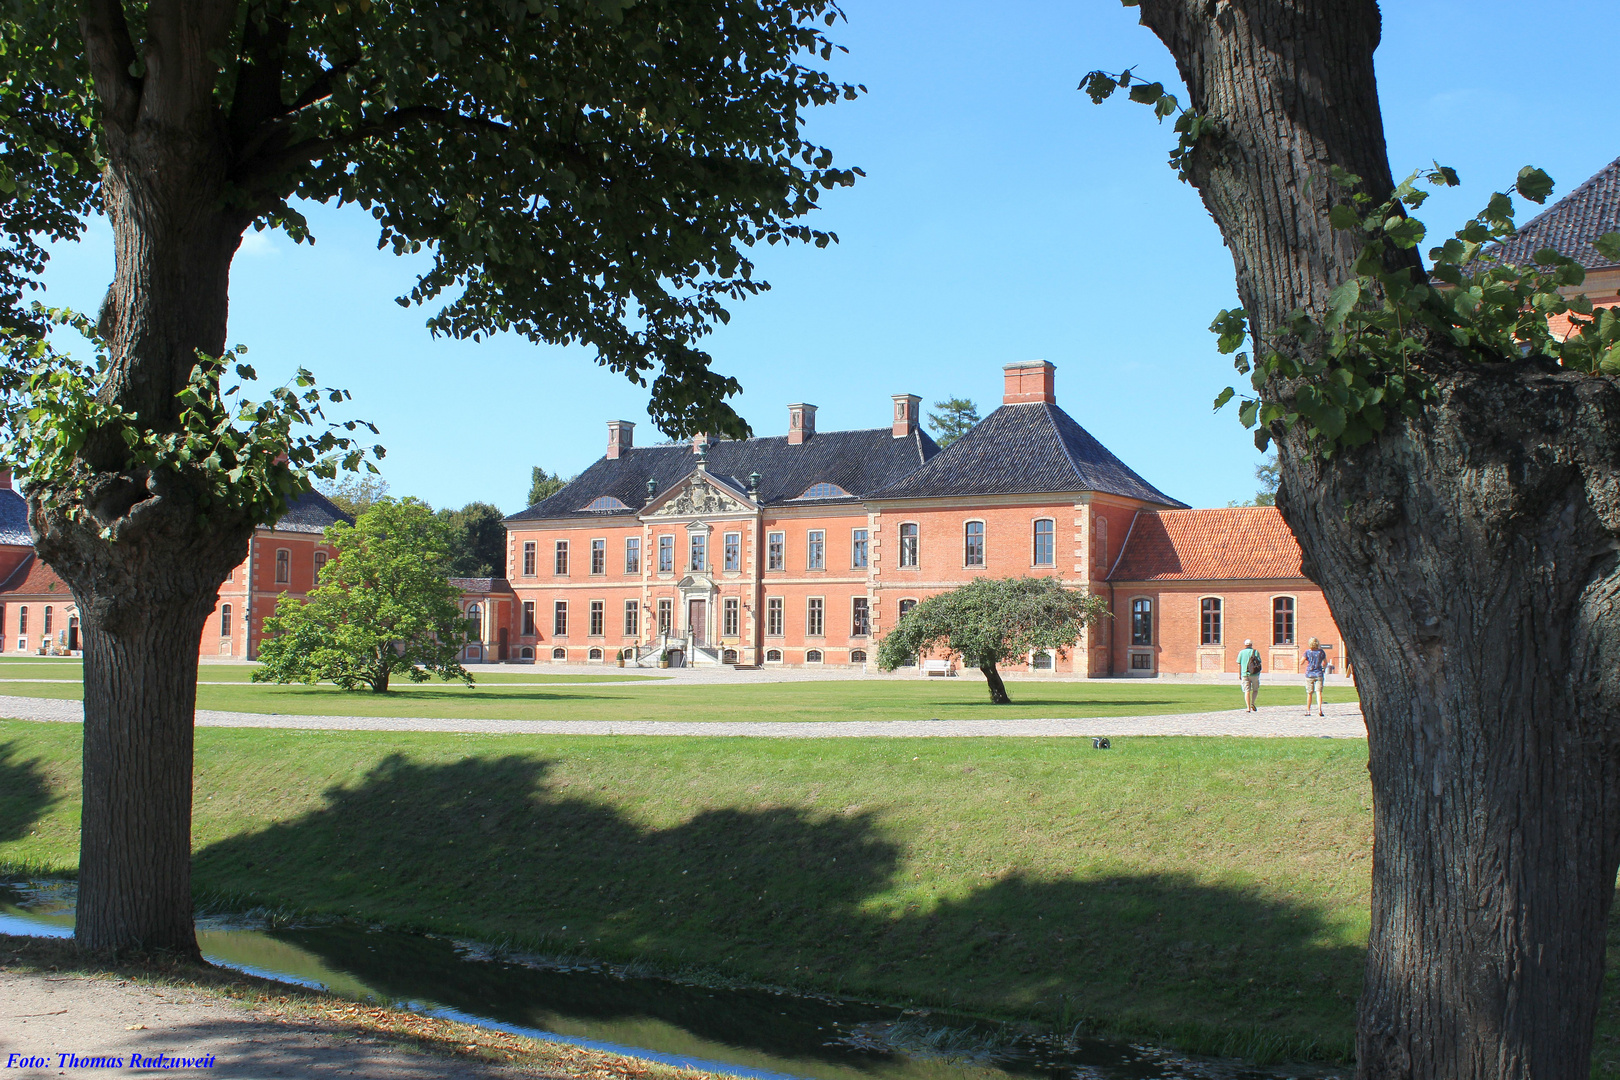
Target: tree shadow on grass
[25, 792]
[339, 699]
[500, 849]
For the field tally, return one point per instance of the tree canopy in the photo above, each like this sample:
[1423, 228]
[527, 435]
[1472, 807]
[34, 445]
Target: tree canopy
[477, 540]
[956, 415]
[994, 621]
[543, 485]
[384, 607]
[353, 493]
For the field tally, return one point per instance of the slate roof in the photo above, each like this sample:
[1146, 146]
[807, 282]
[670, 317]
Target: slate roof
[1023, 449]
[311, 512]
[860, 462]
[482, 585]
[1234, 543]
[34, 578]
[1570, 225]
[14, 518]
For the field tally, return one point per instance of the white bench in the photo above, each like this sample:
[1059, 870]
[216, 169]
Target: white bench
[938, 667]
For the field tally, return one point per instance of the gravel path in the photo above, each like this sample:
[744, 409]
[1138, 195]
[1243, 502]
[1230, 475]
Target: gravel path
[44, 1016]
[1342, 721]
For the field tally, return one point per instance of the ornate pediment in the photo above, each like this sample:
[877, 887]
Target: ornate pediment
[699, 496]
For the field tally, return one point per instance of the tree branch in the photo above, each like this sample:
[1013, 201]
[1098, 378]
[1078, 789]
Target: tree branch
[111, 54]
[258, 82]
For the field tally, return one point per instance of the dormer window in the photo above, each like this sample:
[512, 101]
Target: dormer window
[605, 502]
[824, 490]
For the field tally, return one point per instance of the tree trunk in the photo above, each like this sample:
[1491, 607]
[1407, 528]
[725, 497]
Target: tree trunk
[1468, 558]
[998, 689]
[142, 559]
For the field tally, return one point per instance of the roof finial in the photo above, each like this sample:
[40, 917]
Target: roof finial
[652, 488]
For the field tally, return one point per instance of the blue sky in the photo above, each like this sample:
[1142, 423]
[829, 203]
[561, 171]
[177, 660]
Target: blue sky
[1003, 218]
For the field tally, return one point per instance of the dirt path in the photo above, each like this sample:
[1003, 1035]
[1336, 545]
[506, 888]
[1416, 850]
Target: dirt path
[43, 1017]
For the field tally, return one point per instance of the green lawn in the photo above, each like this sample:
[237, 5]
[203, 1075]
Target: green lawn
[39, 668]
[1203, 889]
[907, 699]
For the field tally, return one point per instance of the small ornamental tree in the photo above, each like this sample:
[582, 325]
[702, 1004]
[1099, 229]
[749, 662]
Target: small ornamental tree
[384, 607]
[994, 621]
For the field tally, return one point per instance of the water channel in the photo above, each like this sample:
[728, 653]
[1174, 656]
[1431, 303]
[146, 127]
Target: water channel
[754, 1033]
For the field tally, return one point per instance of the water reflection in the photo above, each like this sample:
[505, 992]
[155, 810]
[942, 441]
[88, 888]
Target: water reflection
[749, 1032]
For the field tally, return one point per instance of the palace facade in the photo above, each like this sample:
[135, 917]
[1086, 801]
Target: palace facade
[801, 549]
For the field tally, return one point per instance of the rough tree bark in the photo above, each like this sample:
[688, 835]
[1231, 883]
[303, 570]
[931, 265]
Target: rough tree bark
[143, 564]
[1469, 558]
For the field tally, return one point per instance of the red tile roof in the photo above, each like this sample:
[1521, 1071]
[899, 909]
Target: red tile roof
[1195, 545]
[34, 578]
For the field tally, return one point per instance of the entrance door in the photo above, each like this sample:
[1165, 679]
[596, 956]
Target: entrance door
[503, 647]
[73, 634]
[695, 611]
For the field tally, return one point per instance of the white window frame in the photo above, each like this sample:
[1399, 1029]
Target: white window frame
[1220, 617]
[559, 618]
[984, 544]
[916, 545]
[815, 549]
[597, 624]
[530, 627]
[776, 551]
[224, 620]
[775, 611]
[730, 616]
[1035, 542]
[1152, 620]
[815, 616]
[1293, 621]
[666, 546]
[731, 553]
[598, 548]
[560, 565]
[283, 566]
[531, 558]
[860, 549]
[632, 554]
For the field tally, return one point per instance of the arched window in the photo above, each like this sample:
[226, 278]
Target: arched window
[1041, 661]
[1282, 620]
[773, 656]
[1209, 619]
[527, 653]
[909, 544]
[47, 620]
[906, 606]
[813, 656]
[824, 490]
[283, 566]
[320, 564]
[594, 654]
[857, 656]
[605, 502]
[1045, 543]
[729, 656]
[1141, 621]
[973, 543]
[475, 623]
[559, 654]
[224, 620]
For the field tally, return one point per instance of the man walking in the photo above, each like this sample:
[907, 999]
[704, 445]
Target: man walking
[1249, 674]
[1315, 672]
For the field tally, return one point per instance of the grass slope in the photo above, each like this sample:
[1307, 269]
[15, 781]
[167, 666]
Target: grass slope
[1209, 891]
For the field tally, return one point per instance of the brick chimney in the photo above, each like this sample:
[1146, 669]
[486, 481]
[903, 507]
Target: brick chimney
[5, 479]
[621, 437]
[1029, 381]
[702, 441]
[905, 414]
[801, 423]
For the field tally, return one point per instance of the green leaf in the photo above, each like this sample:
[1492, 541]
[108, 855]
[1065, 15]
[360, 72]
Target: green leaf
[1534, 184]
[1223, 397]
[1343, 216]
[1608, 245]
[1247, 411]
[1341, 301]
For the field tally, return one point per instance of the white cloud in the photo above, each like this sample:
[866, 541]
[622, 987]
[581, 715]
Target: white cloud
[258, 243]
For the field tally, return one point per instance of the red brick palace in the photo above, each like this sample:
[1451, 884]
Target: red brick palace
[800, 549]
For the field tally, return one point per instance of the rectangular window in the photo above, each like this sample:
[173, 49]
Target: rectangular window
[530, 558]
[528, 618]
[632, 618]
[559, 618]
[1141, 661]
[1142, 621]
[773, 616]
[560, 567]
[815, 550]
[22, 620]
[47, 621]
[632, 555]
[598, 618]
[1045, 542]
[283, 566]
[666, 554]
[973, 544]
[320, 564]
[1209, 610]
[699, 545]
[775, 551]
[598, 556]
[730, 617]
[860, 624]
[857, 549]
[733, 553]
[224, 620]
[666, 616]
[814, 617]
[1282, 621]
[908, 544]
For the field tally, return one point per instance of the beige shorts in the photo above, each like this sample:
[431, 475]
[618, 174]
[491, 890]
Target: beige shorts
[1251, 682]
[1313, 682]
